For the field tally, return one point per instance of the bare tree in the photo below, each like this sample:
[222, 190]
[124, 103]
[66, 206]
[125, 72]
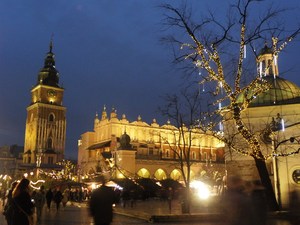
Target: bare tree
[183, 111]
[217, 48]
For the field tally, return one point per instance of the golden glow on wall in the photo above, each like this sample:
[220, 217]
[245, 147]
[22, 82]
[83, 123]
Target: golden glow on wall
[143, 173]
[160, 174]
[175, 175]
[120, 175]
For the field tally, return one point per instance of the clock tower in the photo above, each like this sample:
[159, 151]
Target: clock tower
[45, 132]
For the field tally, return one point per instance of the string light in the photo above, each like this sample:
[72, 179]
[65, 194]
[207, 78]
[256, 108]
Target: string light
[260, 69]
[209, 60]
[282, 125]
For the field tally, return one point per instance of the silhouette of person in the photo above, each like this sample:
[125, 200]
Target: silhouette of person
[22, 204]
[49, 198]
[170, 197]
[101, 204]
[236, 203]
[39, 200]
[294, 208]
[57, 197]
[65, 198]
[259, 204]
[8, 212]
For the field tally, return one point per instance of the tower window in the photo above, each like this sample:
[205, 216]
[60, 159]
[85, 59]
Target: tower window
[167, 153]
[50, 160]
[49, 143]
[51, 118]
[150, 151]
[193, 155]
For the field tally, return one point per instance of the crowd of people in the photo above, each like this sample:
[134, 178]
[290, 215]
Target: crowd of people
[242, 203]
[24, 206]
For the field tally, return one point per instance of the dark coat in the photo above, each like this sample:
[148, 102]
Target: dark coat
[8, 208]
[58, 196]
[49, 195]
[23, 200]
[101, 205]
[236, 207]
[259, 206]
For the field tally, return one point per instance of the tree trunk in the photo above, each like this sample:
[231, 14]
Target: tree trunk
[266, 182]
[186, 203]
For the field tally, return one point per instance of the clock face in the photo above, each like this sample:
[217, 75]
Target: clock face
[51, 93]
[296, 176]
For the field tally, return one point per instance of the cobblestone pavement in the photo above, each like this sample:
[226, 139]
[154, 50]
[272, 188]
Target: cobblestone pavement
[139, 214]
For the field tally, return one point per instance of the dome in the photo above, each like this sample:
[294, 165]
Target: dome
[281, 92]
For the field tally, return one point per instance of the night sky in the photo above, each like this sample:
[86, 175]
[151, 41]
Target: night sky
[108, 52]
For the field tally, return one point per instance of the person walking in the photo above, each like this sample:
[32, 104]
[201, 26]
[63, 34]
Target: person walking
[39, 200]
[8, 208]
[236, 203]
[259, 203]
[170, 198]
[65, 198]
[22, 204]
[57, 198]
[49, 198]
[101, 204]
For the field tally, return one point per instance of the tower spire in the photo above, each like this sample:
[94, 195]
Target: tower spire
[51, 43]
[48, 75]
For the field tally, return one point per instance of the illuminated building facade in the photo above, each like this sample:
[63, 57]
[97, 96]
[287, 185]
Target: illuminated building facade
[10, 159]
[276, 110]
[45, 132]
[139, 149]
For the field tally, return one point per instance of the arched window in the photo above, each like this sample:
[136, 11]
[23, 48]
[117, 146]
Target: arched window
[51, 117]
[49, 143]
[167, 153]
[270, 67]
[194, 155]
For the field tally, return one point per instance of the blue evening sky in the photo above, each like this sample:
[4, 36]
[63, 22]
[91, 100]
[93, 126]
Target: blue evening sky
[108, 52]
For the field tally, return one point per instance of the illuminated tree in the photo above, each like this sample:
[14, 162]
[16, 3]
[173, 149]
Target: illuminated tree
[218, 49]
[65, 173]
[68, 170]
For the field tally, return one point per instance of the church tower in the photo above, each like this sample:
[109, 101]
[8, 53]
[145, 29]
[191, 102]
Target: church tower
[45, 132]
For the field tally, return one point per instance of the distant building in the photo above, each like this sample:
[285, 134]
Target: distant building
[141, 150]
[45, 132]
[10, 159]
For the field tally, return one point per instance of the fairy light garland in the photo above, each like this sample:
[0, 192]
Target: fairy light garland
[209, 60]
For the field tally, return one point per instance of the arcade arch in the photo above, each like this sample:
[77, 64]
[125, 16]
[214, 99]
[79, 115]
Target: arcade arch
[144, 173]
[160, 174]
[175, 174]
